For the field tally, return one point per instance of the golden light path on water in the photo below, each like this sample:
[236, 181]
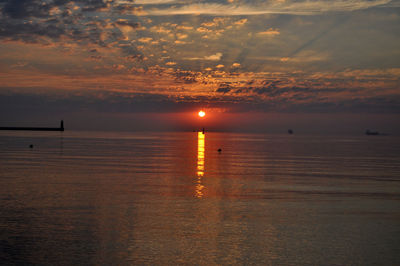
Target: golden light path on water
[200, 163]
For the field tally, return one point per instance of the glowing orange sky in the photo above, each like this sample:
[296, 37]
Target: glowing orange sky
[237, 56]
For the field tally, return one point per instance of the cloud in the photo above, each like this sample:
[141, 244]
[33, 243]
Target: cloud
[268, 98]
[235, 65]
[270, 32]
[374, 90]
[86, 43]
[241, 22]
[19, 65]
[52, 21]
[155, 2]
[179, 42]
[218, 21]
[160, 29]
[31, 31]
[181, 36]
[184, 27]
[203, 30]
[303, 57]
[127, 24]
[281, 7]
[145, 39]
[25, 8]
[40, 9]
[214, 57]
[128, 9]
[224, 88]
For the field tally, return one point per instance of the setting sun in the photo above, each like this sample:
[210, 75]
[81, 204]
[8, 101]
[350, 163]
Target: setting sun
[202, 113]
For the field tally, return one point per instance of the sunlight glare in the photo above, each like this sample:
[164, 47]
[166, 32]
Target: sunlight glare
[200, 163]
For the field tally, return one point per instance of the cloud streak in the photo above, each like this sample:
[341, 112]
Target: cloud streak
[269, 32]
[214, 57]
[287, 7]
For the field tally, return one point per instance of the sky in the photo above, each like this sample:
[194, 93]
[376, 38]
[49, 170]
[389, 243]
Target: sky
[152, 64]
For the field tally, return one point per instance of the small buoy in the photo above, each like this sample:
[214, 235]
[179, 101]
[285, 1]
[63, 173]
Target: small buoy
[31, 146]
[219, 150]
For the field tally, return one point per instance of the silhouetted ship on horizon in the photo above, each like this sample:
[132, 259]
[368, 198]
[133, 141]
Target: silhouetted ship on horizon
[61, 128]
[373, 133]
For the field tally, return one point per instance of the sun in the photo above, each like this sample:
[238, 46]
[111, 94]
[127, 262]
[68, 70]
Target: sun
[202, 113]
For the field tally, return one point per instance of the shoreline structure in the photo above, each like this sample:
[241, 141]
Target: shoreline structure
[61, 128]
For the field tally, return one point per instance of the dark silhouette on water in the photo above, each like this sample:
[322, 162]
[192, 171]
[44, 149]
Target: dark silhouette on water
[373, 133]
[31, 146]
[61, 128]
[290, 131]
[219, 150]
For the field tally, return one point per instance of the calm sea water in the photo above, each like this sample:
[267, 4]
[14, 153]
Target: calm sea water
[172, 198]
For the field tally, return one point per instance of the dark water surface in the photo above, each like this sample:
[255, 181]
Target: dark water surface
[172, 198]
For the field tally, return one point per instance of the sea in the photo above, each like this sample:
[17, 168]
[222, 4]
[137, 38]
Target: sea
[188, 198]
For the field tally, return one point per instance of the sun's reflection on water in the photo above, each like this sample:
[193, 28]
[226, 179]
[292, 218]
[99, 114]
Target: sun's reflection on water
[200, 163]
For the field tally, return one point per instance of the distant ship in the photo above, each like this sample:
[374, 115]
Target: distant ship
[368, 132]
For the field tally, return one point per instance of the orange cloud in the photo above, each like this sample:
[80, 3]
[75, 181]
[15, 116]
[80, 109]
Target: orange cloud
[241, 22]
[183, 27]
[214, 57]
[203, 30]
[270, 32]
[145, 39]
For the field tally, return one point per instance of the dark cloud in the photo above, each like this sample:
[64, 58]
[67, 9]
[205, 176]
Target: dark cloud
[104, 101]
[127, 9]
[54, 29]
[131, 24]
[187, 77]
[31, 20]
[135, 56]
[22, 9]
[93, 5]
[284, 88]
[224, 88]
[29, 31]
[28, 20]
